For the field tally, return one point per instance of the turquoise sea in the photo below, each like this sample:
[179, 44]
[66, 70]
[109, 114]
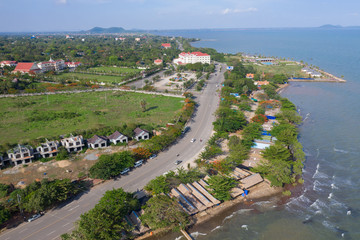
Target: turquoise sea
[327, 206]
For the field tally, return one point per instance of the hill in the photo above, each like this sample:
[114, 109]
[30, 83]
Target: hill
[106, 30]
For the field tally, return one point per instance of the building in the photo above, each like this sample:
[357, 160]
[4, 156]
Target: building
[97, 142]
[250, 76]
[261, 83]
[137, 39]
[73, 64]
[21, 154]
[118, 137]
[194, 57]
[140, 134]
[158, 62]
[311, 72]
[52, 65]
[166, 45]
[73, 144]
[8, 63]
[48, 149]
[27, 67]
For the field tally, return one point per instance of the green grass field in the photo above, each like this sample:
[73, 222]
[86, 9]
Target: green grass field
[91, 77]
[289, 70]
[26, 118]
[117, 70]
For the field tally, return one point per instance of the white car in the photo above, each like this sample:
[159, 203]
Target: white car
[193, 140]
[139, 163]
[126, 170]
[34, 217]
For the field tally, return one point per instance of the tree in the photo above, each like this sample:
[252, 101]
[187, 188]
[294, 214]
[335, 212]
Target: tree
[106, 219]
[276, 152]
[220, 186]
[277, 171]
[141, 153]
[143, 104]
[158, 185]
[4, 214]
[162, 211]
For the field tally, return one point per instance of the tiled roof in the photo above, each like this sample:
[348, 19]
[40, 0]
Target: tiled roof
[138, 131]
[97, 138]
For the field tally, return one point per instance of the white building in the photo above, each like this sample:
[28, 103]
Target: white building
[73, 144]
[194, 57]
[52, 65]
[8, 63]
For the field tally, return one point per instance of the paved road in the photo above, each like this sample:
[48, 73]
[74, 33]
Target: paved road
[141, 83]
[61, 220]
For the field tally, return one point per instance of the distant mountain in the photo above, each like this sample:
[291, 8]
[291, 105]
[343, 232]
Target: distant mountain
[330, 26]
[96, 30]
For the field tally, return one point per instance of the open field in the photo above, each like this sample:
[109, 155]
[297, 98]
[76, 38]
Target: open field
[117, 70]
[282, 68]
[91, 77]
[26, 118]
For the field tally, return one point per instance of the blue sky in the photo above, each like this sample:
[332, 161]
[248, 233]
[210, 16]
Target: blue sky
[62, 15]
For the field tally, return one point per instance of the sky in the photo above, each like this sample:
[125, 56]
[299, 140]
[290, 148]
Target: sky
[73, 15]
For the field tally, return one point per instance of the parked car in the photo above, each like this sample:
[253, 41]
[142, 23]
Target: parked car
[139, 163]
[193, 140]
[34, 217]
[126, 170]
[178, 162]
[153, 156]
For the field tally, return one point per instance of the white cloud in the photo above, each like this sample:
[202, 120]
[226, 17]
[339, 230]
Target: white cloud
[61, 1]
[238, 10]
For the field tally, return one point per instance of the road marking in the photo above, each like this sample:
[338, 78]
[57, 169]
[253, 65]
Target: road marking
[23, 230]
[66, 224]
[50, 233]
[48, 226]
[39, 222]
[73, 208]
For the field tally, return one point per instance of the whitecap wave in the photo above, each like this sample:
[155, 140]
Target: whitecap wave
[245, 227]
[340, 150]
[216, 228]
[178, 238]
[196, 234]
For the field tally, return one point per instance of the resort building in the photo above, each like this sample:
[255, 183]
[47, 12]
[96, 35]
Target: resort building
[194, 57]
[97, 142]
[48, 149]
[21, 154]
[250, 76]
[73, 64]
[311, 72]
[52, 65]
[166, 45]
[8, 63]
[158, 62]
[118, 137]
[27, 67]
[140, 134]
[73, 144]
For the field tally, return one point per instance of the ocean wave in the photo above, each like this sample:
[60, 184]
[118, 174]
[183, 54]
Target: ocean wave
[196, 234]
[178, 238]
[340, 150]
[228, 217]
[319, 174]
[245, 227]
[216, 228]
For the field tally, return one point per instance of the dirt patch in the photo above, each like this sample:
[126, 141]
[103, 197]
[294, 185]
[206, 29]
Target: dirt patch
[62, 164]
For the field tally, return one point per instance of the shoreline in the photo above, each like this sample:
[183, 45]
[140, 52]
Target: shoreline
[256, 193]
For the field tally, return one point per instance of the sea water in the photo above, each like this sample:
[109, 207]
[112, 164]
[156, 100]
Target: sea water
[327, 205]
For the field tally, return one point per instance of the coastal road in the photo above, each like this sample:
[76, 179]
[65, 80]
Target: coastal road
[61, 220]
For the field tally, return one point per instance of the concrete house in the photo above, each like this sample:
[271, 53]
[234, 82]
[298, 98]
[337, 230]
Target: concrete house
[118, 137]
[48, 149]
[141, 134]
[73, 144]
[97, 142]
[21, 154]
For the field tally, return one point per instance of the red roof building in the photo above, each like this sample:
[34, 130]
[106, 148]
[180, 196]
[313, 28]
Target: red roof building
[158, 61]
[194, 57]
[166, 45]
[73, 64]
[8, 63]
[27, 67]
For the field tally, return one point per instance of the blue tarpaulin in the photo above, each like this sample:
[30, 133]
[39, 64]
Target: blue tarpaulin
[265, 133]
[270, 117]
